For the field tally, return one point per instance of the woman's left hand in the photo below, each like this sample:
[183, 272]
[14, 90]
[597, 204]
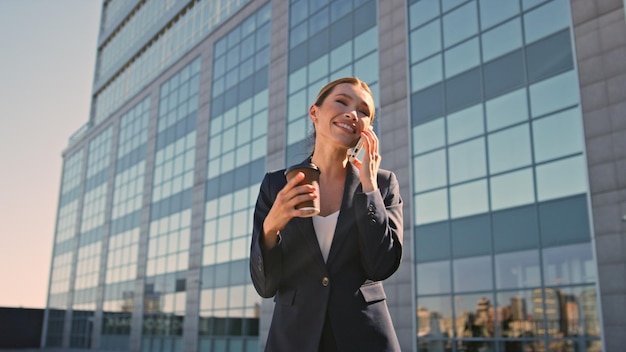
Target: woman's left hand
[368, 167]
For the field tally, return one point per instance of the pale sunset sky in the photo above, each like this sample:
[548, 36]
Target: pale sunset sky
[47, 60]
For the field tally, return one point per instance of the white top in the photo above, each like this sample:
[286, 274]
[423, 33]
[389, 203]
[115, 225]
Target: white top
[325, 231]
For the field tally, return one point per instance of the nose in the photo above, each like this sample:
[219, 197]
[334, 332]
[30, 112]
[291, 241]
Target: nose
[352, 115]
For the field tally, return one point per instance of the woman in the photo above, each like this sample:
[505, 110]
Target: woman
[329, 297]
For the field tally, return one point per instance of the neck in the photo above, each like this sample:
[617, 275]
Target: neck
[332, 163]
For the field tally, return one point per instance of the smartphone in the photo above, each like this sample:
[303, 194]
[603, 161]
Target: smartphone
[354, 151]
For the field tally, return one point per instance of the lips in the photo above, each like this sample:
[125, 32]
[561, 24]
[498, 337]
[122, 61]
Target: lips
[348, 127]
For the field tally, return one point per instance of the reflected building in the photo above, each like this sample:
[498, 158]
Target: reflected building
[494, 115]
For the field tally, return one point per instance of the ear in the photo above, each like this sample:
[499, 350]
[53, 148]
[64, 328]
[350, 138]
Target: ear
[313, 109]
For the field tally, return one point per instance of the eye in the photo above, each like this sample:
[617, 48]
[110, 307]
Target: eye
[364, 113]
[341, 102]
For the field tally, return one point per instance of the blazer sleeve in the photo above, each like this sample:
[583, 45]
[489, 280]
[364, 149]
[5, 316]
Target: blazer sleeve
[380, 228]
[265, 265]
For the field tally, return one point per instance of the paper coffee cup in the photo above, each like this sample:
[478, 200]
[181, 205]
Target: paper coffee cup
[311, 176]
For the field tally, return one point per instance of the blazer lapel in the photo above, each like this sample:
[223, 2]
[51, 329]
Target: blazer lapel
[346, 213]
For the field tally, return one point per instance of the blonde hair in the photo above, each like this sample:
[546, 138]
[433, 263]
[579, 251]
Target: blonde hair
[328, 88]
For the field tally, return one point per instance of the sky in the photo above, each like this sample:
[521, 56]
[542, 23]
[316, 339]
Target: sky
[47, 60]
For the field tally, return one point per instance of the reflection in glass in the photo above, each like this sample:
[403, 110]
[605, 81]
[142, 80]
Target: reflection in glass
[515, 315]
[475, 315]
[422, 11]
[512, 189]
[572, 264]
[561, 178]
[433, 278]
[558, 135]
[518, 269]
[469, 199]
[434, 315]
[473, 274]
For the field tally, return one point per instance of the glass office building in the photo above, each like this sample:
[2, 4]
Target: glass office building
[486, 111]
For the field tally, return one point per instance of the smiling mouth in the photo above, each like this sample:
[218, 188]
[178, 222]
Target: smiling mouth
[347, 127]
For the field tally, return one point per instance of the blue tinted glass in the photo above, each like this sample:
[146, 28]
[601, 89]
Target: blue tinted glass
[465, 124]
[426, 73]
[509, 149]
[448, 4]
[518, 270]
[475, 307]
[521, 305]
[507, 109]
[561, 178]
[469, 199]
[502, 39]
[298, 12]
[558, 135]
[460, 24]
[433, 278]
[428, 136]
[431, 207]
[425, 41]
[298, 34]
[429, 171]
[467, 160]
[422, 11]
[341, 56]
[473, 274]
[367, 68]
[462, 57]
[571, 264]
[553, 94]
[496, 11]
[512, 189]
[366, 42]
[547, 19]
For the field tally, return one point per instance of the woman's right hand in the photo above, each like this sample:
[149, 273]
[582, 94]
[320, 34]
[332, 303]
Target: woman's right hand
[284, 208]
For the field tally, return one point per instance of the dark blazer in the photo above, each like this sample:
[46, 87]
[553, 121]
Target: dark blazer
[366, 248]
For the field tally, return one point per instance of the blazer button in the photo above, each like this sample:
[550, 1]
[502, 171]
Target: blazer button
[325, 281]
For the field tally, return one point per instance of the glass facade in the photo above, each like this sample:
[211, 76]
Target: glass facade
[194, 100]
[503, 247]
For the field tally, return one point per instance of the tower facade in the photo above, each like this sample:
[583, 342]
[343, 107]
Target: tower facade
[503, 120]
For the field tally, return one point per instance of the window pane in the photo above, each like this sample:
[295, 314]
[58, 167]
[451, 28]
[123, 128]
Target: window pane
[422, 11]
[468, 199]
[431, 207]
[465, 124]
[426, 73]
[433, 278]
[462, 57]
[561, 178]
[502, 39]
[558, 135]
[473, 274]
[512, 189]
[495, 11]
[476, 311]
[434, 315]
[430, 171]
[425, 41]
[467, 160]
[572, 264]
[428, 136]
[546, 20]
[460, 24]
[518, 270]
[509, 149]
[522, 314]
[507, 109]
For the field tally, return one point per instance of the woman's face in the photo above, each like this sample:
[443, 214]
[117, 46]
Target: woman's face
[343, 115]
